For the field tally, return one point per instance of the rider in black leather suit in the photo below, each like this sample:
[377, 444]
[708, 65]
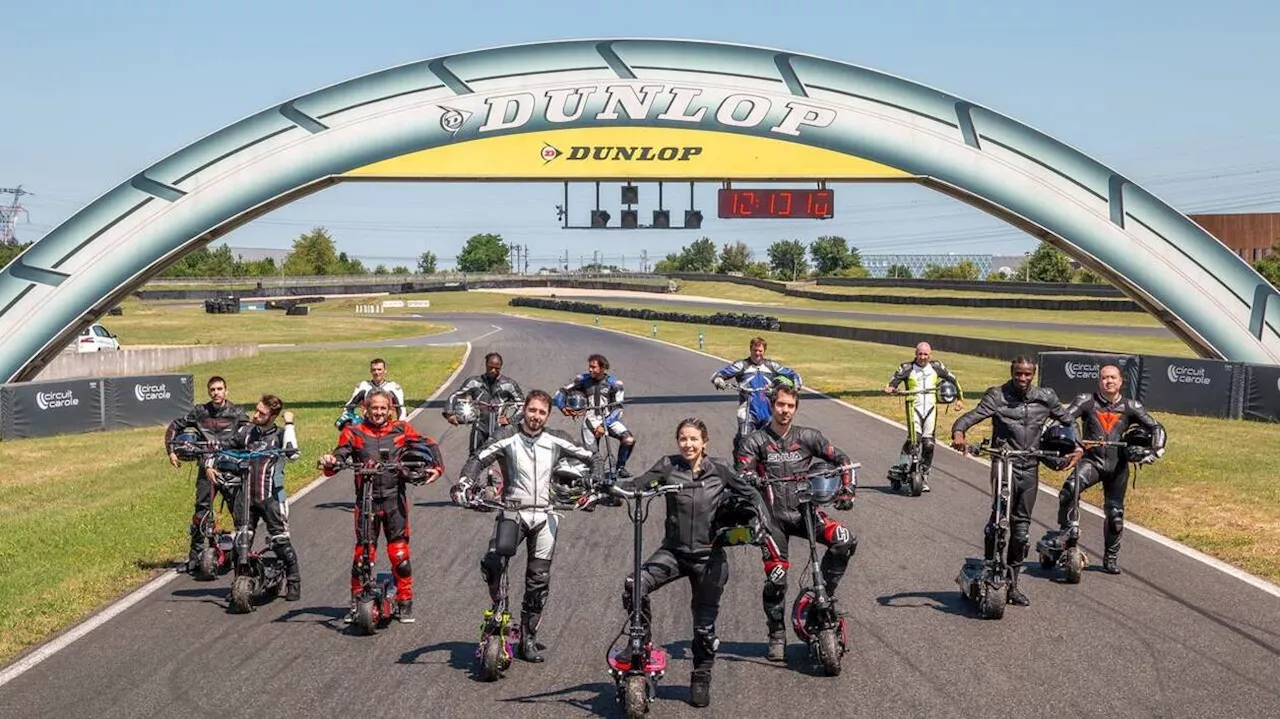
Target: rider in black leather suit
[1018, 413]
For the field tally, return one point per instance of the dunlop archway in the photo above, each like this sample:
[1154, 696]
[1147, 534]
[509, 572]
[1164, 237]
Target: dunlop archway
[725, 112]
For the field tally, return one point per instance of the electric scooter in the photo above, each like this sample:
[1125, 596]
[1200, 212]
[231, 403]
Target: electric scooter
[376, 603]
[258, 579]
[1061, 548]
[985, 582]
[912, 476]
[747, 424]
[215, 557]
[637, 666]
[468, 410]
[814, 618]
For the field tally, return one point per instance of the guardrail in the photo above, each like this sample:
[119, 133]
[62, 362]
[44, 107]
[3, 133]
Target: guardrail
[136, 361]
[407, 287]
[263, 282]
[1012, 287]
[73, 406]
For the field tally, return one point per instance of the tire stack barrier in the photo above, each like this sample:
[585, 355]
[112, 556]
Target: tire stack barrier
[721, 319]
[229, 305]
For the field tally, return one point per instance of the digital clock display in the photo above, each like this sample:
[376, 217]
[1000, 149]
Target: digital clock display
[803, 204]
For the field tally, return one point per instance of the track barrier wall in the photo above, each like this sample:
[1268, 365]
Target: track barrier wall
[45, 409]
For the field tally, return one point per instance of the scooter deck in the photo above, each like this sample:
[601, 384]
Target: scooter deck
[620, 660]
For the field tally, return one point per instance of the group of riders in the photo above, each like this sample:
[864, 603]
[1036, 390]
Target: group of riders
[540, 469]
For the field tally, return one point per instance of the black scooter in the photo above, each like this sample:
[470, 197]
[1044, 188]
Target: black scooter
[814, 618]
[985, 582]
[258, 578]
[215, 558]
[637, 666]
[1061, 549]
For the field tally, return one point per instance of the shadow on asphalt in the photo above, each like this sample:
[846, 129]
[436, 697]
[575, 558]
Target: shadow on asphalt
[946, 602]
[600, 698]
[460, 656]
[344, 506]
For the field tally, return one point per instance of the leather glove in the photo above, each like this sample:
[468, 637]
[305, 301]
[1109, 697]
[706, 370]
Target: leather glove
[718, 381]
[461, 494]
[1149, 459]
[844, 499]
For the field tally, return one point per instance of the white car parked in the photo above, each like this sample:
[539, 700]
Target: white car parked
[96, 338]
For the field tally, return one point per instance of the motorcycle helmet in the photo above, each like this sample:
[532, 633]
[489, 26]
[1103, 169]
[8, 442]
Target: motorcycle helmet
[418, 452]
[464, 410]
[569, 480]
[947, 392]
[1137, 443]
[822, 488]
[576, 402]
[737, 521]
[1059, 439]
[348, 417]
[186, 444]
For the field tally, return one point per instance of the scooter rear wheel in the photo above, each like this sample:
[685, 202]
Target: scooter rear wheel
[917, 482]
[635, 696]
[829, 652]
[491, 663]
[242, 594]
[207, 564]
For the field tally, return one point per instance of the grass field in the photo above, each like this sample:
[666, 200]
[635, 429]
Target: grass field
[747, 293]
[81, 527]
[1203, 493]
[154, 323]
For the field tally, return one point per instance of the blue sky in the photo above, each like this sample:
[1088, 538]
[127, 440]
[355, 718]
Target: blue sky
[1180, 96]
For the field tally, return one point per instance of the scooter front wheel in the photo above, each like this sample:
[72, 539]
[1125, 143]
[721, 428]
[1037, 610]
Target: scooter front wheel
[1074, 562]
[242, 594]
[635, 696]
[829, 652]
[991, 605]
[366, 622]
[917, 482]
[491, 658]
[207, 564]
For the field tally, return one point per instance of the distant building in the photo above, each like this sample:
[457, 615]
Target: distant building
[1251, 235]
[878, 265]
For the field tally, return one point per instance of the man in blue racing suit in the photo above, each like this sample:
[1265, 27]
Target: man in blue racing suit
[755, 375]
[605, 396]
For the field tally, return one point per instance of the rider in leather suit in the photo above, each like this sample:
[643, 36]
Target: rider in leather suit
[755, 375]
[217, 421]
[264, 475]
[1018, 413]
[528, 452]
[924, 373]
[605, 396]
[1105, 415]
[688, 548]
[782, 449]
[492, 386]
[378, 380]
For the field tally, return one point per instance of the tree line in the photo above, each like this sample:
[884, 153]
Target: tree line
[316, 253]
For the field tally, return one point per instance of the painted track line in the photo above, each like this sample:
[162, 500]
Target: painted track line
[119, 606]
[1250, 579]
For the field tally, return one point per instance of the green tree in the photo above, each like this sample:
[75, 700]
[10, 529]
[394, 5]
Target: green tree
[381, 270]
[734, 258]
[787, 258]
[670, 263]
[1269, 267]
[350, 265]
[1048, 264]
[313, 253]
[427, 263]
[9, 251]
[962, 270]
[1086, 276]
[901, 272]
[264, 267]
[831, 254]
[401, 270]
[698, 256]
[855, 271]
[484, 253]
[758, 270]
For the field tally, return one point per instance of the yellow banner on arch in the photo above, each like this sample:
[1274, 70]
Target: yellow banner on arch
[625, 153]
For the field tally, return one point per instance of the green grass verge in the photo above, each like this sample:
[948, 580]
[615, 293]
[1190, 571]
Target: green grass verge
[747, 293]
[1204, 492]
[163, 323]
[80, 528]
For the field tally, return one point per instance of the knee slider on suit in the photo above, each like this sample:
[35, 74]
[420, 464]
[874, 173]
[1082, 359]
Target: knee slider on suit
[537, 585]
[705, 640]
[775, 574]
[491, 566]
[398, 553]
[1115, 518]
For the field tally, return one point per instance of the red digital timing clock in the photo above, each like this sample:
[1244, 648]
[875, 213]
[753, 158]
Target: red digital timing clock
[803, 204]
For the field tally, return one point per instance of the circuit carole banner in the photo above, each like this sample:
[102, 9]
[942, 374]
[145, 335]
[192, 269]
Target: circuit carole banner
[627, 153]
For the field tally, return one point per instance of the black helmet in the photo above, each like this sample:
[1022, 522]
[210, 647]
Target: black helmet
[576, 401]
[417, 452]
[570, 479]
[947, 392]
[186, 444]
[737, 521]
[1059, 439]
[1137, 440]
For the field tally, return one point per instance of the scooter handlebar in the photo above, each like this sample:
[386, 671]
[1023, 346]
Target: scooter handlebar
[652, 491]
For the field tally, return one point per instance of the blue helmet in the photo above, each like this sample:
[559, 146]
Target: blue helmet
[187, 445]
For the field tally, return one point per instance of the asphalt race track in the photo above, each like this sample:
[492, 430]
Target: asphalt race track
[1170, 637]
